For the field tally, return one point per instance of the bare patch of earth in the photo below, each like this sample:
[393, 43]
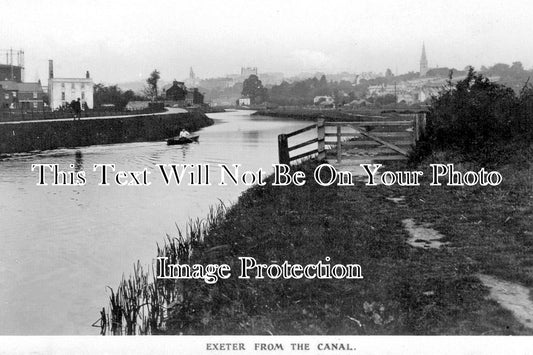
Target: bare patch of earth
[511, 296]
[422, 236]
[396, 200]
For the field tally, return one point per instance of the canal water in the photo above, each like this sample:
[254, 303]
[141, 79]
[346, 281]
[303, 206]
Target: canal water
[62, 245]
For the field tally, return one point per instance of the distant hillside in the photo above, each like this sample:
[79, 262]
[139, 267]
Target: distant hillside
[138, 86]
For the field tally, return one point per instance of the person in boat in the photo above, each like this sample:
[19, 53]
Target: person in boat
[184, 133]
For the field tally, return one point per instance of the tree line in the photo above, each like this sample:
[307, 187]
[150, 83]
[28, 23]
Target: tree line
[299, 93]
[114, 95]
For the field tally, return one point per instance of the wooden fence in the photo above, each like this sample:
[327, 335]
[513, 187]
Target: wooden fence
[397, 134]
[284, 149]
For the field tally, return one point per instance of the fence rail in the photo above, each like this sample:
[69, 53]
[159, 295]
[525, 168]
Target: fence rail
[395, 133]
[284, 149]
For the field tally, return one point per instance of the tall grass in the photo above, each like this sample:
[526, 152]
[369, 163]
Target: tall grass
[141, 303]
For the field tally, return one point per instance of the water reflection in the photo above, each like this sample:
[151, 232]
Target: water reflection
[251, 136]
[185, 149]
[78, 165]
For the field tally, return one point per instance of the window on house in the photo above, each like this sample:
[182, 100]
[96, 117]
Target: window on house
[35, 94]
[73, 86]
[83, 86]
[63, 85]
[6, 96]
[83, 95]
[63, 96]
[14, 94]
[35, 105]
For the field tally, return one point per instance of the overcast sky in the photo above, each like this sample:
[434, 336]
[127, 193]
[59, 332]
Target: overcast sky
[120, 41]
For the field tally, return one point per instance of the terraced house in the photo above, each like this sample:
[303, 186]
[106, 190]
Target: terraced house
[24, 96]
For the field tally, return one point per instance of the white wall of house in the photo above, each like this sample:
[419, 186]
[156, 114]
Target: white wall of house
[245, 101]
[63, 90]
[323, 100]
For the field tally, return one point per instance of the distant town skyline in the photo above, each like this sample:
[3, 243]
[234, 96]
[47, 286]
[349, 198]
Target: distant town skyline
[123, 41]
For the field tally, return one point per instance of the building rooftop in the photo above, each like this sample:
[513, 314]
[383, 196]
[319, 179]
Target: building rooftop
[21, 87]
[71, 79]
[9, 66]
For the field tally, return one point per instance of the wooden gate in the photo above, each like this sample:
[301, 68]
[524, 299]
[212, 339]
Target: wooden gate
[368, 138]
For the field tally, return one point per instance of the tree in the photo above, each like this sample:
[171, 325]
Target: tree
[517, 67]
[151, 90]
[472, 115]
[385, 100]
[112, 95]
[321, 87]
[514, 76]
[323, 83]
[253, 88]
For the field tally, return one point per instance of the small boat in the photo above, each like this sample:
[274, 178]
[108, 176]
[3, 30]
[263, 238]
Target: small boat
[183, 140]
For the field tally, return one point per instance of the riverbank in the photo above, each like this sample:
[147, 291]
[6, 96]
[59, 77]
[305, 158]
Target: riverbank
[410, 285]
[405, 290]
[212, 109]
[332, 115]
[19, 137]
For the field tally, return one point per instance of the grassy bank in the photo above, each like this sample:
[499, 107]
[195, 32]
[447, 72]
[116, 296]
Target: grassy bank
[214, 109]
[43, 135]
[405, 290]
[477, 282]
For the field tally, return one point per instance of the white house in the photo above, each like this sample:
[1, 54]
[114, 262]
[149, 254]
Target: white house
[244, 101]
[62, 91]
[323, 100]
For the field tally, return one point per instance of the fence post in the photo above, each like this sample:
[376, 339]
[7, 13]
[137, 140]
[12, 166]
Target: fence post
[321, 135]
[283, 150]
[339, 148]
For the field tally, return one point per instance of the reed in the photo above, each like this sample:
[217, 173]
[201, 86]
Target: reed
[140, 304]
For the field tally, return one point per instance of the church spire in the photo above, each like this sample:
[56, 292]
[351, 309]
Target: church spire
[423, 61]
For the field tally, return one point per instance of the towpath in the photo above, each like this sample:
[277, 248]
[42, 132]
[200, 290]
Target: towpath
[170, 110]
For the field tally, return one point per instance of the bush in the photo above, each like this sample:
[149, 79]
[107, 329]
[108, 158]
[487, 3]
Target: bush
[523, 125]
[471, 114]
[476, 116]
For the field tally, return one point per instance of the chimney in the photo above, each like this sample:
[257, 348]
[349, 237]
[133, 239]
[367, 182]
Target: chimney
[87, 76]
[50, 69]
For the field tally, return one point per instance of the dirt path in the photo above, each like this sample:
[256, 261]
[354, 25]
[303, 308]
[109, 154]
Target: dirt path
[511, 296]
[169, 111]
[422, 236]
